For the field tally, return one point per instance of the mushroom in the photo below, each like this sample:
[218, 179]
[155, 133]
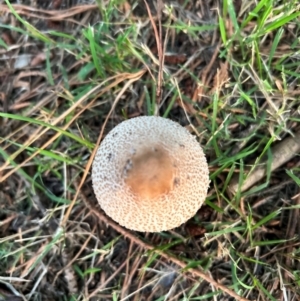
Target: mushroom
[150, 174]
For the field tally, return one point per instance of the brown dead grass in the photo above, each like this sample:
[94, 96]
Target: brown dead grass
[52, 250]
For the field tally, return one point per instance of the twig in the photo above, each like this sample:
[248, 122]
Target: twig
[282, 152]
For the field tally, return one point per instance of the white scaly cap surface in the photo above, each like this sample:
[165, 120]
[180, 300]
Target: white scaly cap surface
[150, 174]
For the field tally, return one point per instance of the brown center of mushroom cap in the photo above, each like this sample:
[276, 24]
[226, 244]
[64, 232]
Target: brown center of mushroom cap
[151, 173]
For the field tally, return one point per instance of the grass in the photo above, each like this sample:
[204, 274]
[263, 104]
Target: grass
[231, 76]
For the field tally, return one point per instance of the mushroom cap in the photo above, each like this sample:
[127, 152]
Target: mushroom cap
[150, 174]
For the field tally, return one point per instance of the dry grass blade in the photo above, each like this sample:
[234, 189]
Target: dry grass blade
[130, 270]
[291, 231]
[169, 257]
[54, 15]
[68, 264]
[161, 55]
[98, 89]
[132, 78]
[159, 44]
[72, 69]
[104, 284]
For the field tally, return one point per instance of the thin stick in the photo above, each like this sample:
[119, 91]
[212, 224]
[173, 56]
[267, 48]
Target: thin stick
[282, 152]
